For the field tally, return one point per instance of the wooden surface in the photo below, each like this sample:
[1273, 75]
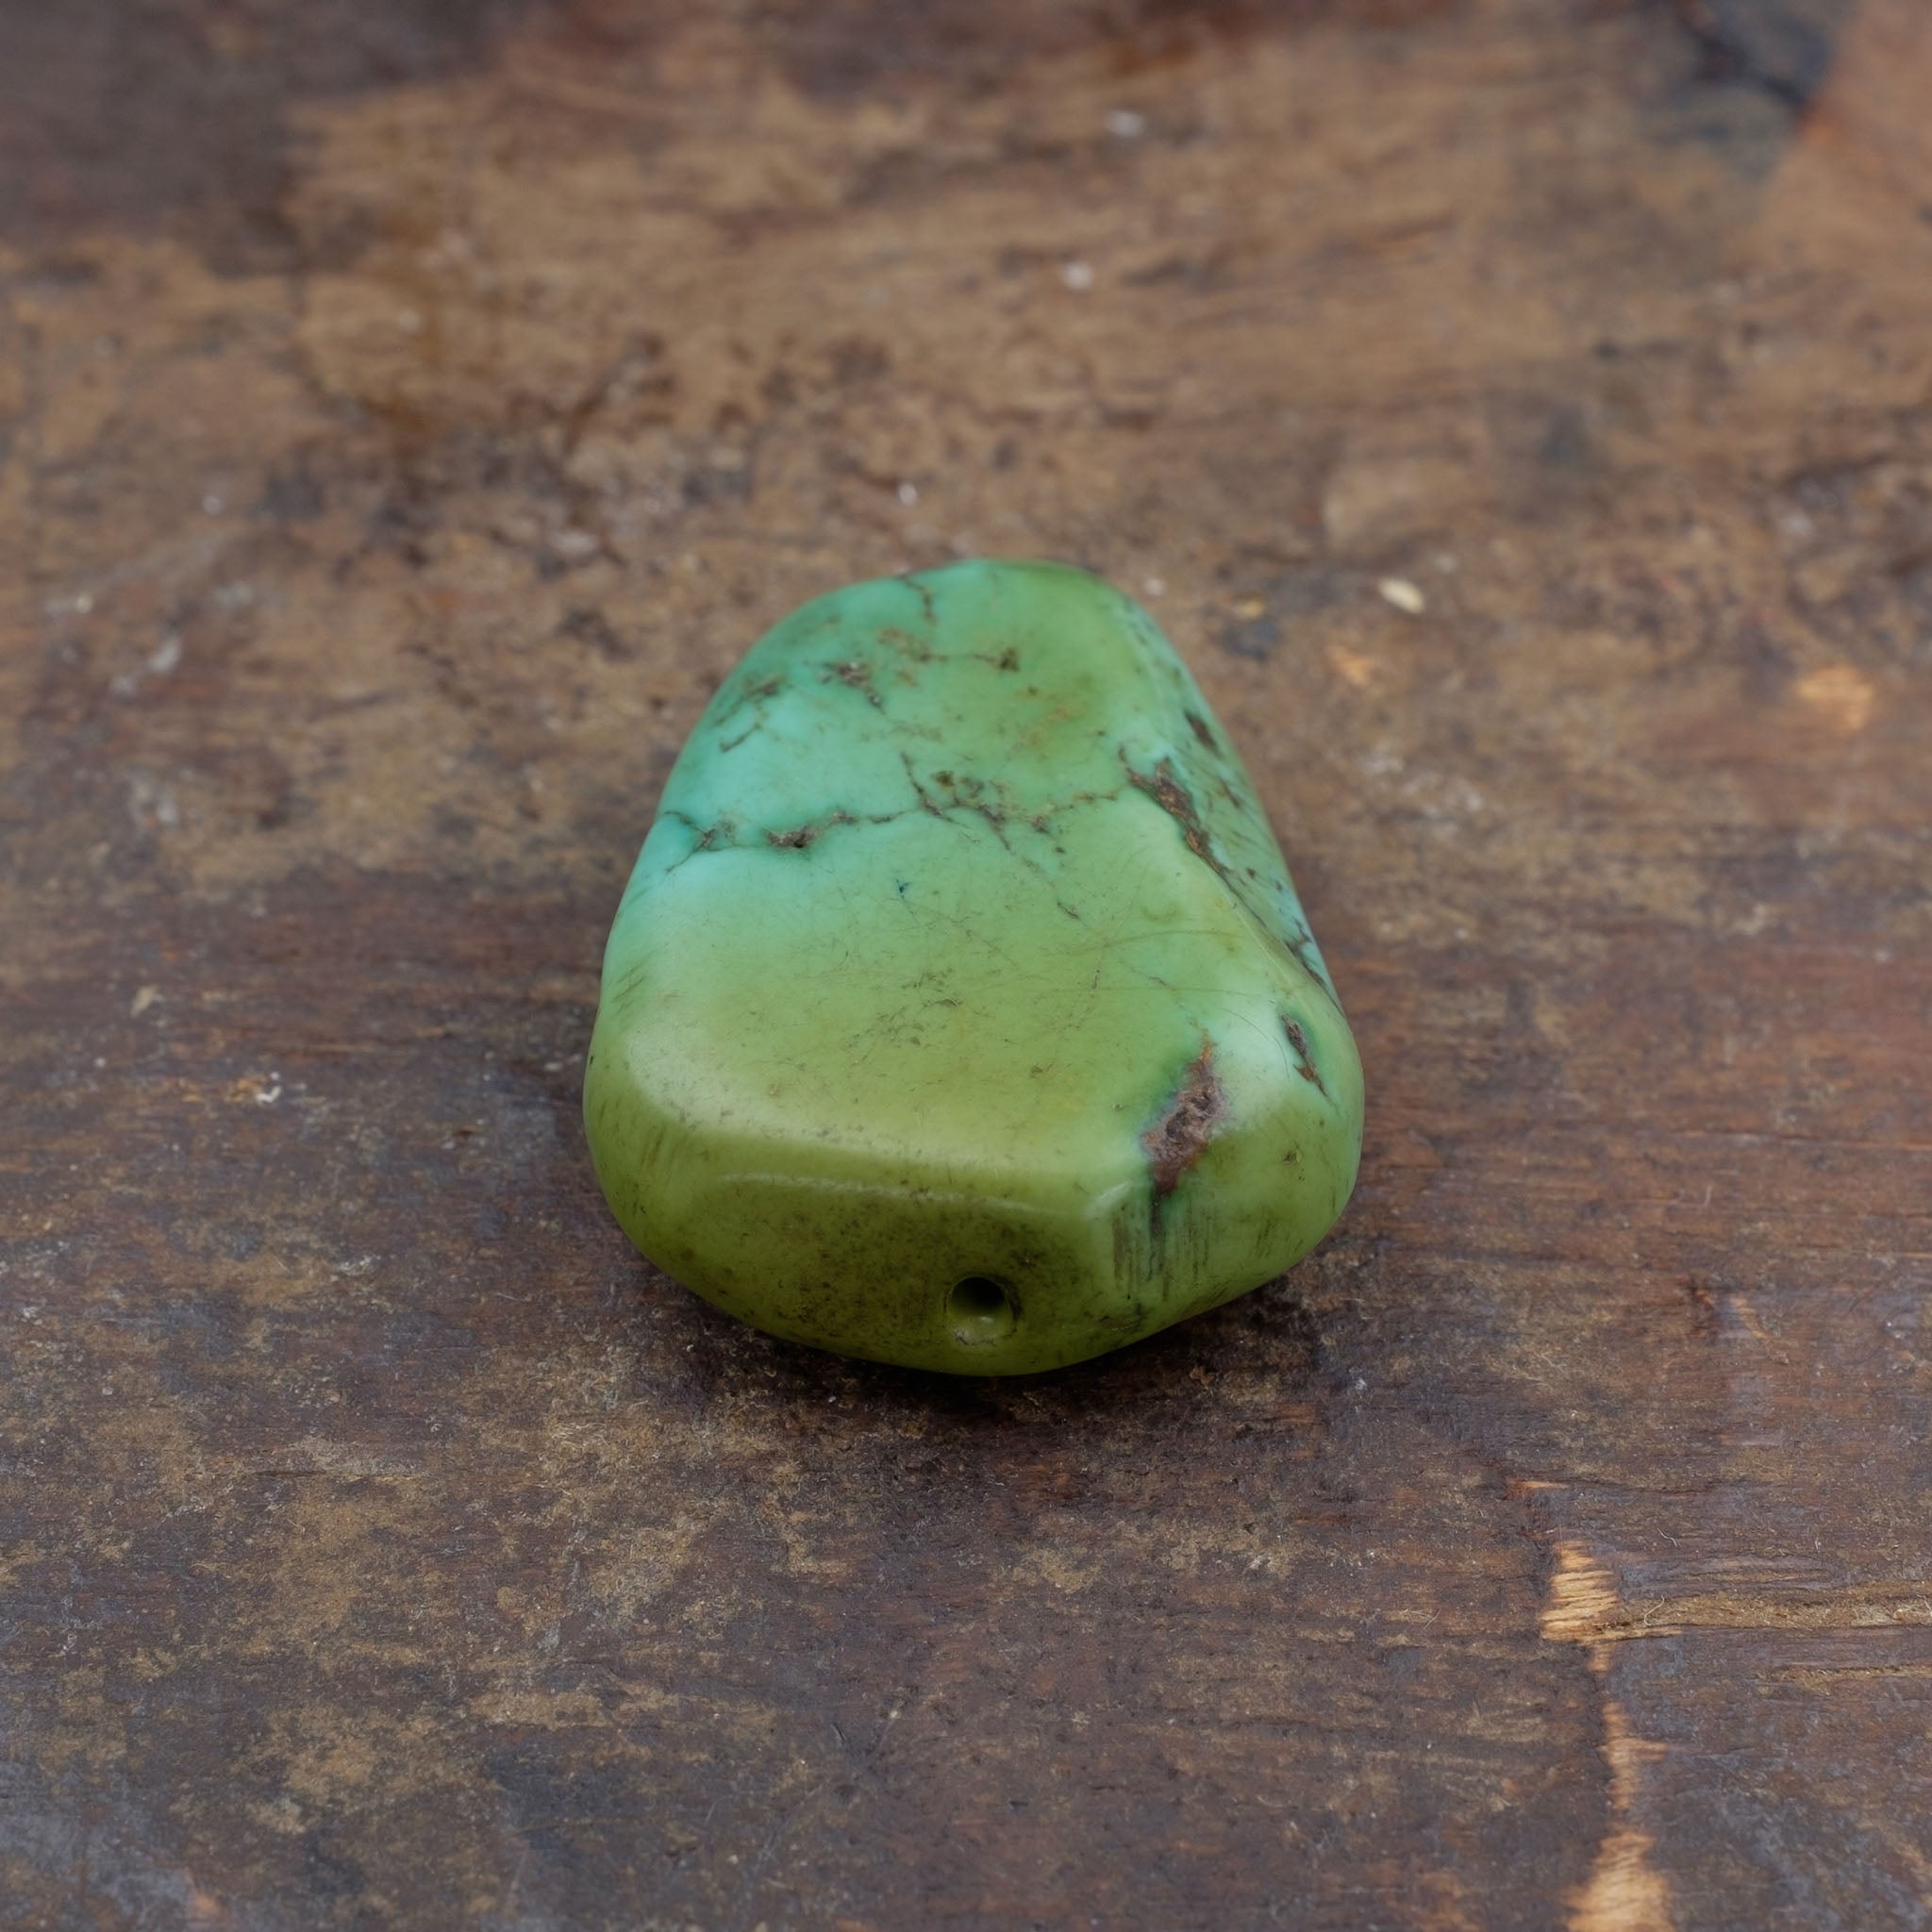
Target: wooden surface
[408, 413]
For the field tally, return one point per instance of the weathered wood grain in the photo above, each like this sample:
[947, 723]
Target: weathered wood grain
[1520, 413]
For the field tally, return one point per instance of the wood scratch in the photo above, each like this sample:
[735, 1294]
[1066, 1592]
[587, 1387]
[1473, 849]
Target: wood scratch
[1585, 1607]
[1625, 1893]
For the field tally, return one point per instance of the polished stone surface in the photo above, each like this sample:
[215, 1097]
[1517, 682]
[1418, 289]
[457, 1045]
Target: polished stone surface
[961, 1011]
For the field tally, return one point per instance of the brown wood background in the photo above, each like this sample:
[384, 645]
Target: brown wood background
[408, 413]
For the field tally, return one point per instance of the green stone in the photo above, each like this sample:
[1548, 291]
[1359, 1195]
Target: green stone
[961, 1011]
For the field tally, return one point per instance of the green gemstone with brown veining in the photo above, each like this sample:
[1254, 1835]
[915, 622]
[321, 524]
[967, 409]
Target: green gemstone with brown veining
[961, 1011]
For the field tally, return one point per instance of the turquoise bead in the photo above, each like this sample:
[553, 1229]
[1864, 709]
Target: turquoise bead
[961, 1011]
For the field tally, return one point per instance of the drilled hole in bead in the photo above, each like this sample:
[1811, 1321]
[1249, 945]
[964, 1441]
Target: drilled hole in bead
[980, 1309]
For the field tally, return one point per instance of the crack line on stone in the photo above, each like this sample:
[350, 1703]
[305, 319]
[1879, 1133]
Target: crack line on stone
[1305, 1063]
[723, 834]
[1164, 787]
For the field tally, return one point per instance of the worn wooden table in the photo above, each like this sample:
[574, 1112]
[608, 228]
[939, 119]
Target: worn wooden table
[1519, 411]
